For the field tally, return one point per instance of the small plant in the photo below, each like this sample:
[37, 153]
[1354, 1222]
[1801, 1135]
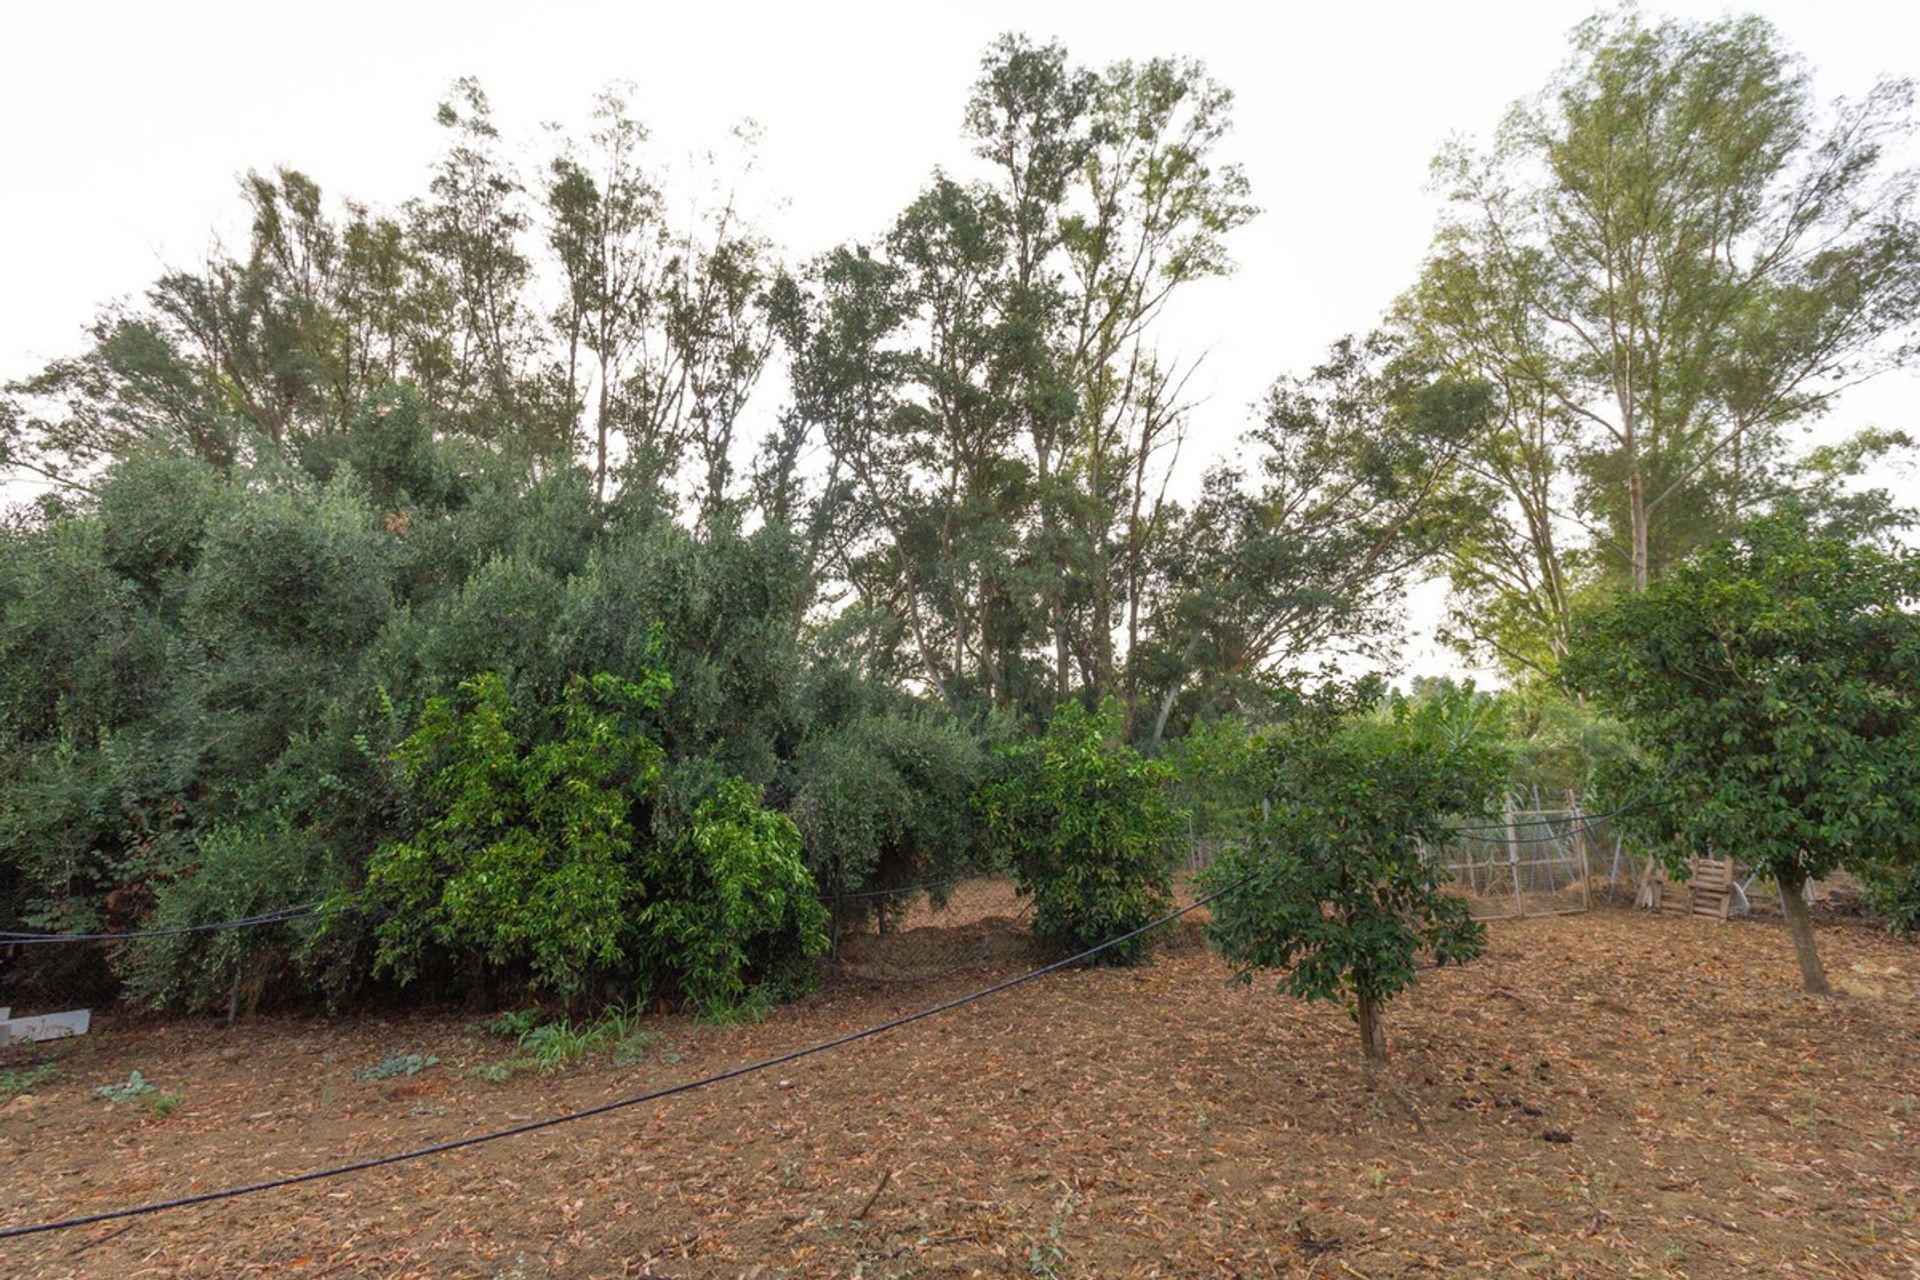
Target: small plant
[554, 1044]
[400, 1064]
[515, 1023]
[1334, 892]
[551, 1045]
[1046, 1257]
[137, 1089]
[750, 1010]
[497, 1072]
[15, 1083]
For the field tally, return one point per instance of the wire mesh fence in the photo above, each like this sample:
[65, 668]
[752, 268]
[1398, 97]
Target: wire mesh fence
[975, 926]
[44, 973]
[919, 933]
[1534, 862]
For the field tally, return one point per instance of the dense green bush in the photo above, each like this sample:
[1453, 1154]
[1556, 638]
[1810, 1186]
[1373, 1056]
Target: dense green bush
[1893, 892]
[544, 853]
[731, 907]
[524, 857]
[210, 669]
[1216, 781]
[883, 800]
[237, 870]
[1335, 890]
[1090, 828]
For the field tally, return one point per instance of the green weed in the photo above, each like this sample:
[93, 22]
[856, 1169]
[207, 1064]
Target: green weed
[552, 1045]
[137, 1089]
[400, 1064]
[15, 1083]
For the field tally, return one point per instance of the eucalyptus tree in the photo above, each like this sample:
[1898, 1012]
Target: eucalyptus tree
[1665, 259]
[471, 224]
[135, 385]
[1016, 459]
[850, 382]
[608, 232]
[393, 306]
[1153, 205]
[719, 332]
[1350, 485]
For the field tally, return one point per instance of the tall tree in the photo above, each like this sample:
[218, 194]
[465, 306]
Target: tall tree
[1665, 259]
[608, 232]
[1018, 455]
[471, 223]
[1348, 485]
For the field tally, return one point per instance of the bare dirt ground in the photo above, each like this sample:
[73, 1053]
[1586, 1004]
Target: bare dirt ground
[1614, 1094]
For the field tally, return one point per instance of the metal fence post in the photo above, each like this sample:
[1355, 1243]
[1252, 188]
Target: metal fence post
[1513, 861]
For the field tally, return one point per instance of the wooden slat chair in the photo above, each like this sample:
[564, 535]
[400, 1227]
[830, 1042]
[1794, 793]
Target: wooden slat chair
[1710, 888]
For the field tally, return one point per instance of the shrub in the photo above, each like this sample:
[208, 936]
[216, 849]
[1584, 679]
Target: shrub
[527, 857]
[1337, 891]
[556, 860]
[1090, 826]
[1893, 892]
[1214, 765]
[884, 798]
[237, 870]
[733, 906]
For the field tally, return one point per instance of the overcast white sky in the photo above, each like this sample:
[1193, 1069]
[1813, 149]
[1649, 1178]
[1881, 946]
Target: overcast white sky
[124, 129]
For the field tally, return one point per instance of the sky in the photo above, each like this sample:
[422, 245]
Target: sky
[124, 130]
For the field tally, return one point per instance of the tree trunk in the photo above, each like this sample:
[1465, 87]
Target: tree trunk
[1173, 694]
[1637, 511]
[1373, 1033]
[1793, 904]
[600, 441]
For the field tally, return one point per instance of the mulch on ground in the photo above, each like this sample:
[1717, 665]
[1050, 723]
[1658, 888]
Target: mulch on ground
[1612, 1094]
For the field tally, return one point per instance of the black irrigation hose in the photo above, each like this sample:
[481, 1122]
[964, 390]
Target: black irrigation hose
[280, 916]
[1639, 801]
[687, 1086]
[1496, 838]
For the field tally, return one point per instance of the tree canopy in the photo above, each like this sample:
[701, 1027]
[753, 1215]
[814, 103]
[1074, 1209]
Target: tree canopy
[1773, 681]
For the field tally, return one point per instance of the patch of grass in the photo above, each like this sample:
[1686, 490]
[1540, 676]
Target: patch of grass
[400, 1064]
[751, 1009]
[515, 1023]
[15, 1083]
[137, 1089]
[552, 1045]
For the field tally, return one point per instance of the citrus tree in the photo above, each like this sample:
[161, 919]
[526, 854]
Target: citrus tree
[557, 861]
[1335, 890]
[1774, 682]
[1089, 824]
